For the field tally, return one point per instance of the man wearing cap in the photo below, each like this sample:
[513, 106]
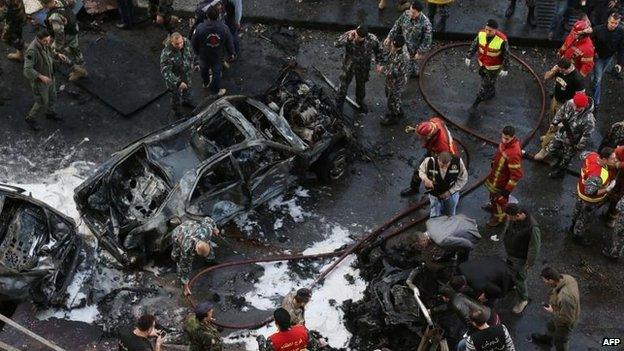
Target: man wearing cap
[578, 48]
[290, 337]
[435, 138]
[444, 176]
[416, 28]
[360, 47]
[522, 240]
[295, 303]
[597, 180]
[190, 238]
[505, 174]
[573, 126]
[202, 333]
[493, 60]
[395, 69]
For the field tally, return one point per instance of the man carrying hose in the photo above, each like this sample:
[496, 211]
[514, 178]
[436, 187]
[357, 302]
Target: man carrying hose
[190, 238]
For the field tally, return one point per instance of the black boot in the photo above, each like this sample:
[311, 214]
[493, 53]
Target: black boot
[409, 191]
[542, 338]
[558, 173]
[33, 124]
[363, 107]
[472, 111]
[441, 27]
[531, 17]
[340, 104]
[511, 9]
[53, 116]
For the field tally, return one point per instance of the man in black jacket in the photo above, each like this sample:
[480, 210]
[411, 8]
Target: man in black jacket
[609, 43]
[486, 279]
[208, 41]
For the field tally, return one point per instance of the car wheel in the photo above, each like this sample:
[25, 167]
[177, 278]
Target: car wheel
[333, 166]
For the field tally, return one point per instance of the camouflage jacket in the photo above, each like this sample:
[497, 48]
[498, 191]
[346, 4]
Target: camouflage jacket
[202, 337]
[176, 65]
[359, 56]
[418, 33]
[12, 11]
[581, 124]
[185, 238]
[38, 59]
[297, 314]
[615, 136]
[58, 22]
[396, 69]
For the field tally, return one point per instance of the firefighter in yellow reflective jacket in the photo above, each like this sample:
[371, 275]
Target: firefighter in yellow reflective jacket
[493, 60]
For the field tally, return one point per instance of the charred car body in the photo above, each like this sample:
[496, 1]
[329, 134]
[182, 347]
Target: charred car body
[233, 155]
[39, 249]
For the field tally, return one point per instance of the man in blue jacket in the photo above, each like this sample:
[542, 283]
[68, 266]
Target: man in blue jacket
[208, 41]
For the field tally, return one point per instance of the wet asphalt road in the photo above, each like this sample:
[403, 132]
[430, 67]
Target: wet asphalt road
[366, 197]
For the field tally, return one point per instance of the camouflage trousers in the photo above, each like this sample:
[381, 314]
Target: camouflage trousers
[45, 97]
[617, 239]
[488, 84]
[554, 107]
[582, 217]
[562, 151]
[413, 66]
[361, 77]
[178, 98]
[394, 93]
[71, 49]
[12, 35]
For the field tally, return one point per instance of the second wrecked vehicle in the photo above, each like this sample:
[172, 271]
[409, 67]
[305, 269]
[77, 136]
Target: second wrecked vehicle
[235, 154]
[39, 249]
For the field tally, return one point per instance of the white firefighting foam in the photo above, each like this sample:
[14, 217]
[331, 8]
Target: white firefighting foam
[323, 313]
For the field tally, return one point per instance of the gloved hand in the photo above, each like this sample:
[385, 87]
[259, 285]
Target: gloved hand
[503, 73]
[611, 186]
[467, 62]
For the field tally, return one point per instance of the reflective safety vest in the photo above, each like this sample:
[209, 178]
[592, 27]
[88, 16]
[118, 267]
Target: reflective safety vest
[591, 168]
[490, 54]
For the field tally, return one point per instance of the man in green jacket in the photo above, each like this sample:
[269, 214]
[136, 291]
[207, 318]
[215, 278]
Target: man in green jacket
[39, 70]
[202, 333]
[565, 306]
[522, 240]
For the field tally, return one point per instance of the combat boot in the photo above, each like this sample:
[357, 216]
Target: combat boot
[519, 307]
[76, 73]
[493, 222]
[382, 4]
[473, 111]
[441, 26]
[541, 339]
[557, 173]
[409, 191]
[511, 9]
[18, 55]
[388, 120]
[33, 124]
[363, 107]
[404, 6]
[53, 116]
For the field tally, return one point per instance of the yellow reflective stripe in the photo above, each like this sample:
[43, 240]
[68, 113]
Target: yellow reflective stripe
[512, 182]
[514, 166]
[587, 59]
[493, 68]
[587, 198]
[493, 54]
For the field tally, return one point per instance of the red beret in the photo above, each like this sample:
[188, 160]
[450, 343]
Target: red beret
[580, 100]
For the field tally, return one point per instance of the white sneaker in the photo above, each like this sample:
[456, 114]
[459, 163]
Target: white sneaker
[518, 308]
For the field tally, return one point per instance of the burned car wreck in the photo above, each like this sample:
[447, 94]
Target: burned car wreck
[233, 155]
[39, 249]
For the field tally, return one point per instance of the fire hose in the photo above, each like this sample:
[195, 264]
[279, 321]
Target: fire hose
[395, 220]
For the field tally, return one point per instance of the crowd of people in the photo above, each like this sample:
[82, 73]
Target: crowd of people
[594, 45]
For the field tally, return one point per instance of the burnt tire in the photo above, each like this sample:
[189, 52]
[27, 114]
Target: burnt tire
[333, 165]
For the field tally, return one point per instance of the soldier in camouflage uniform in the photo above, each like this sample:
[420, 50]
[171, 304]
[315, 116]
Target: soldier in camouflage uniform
[176, 66]
[615, 137]
[616, 249]
[191, 238]
[360, 46]
[62, 22]
[13, 19]
[203, 334]
[162, 12]
[574, 124]
[396, 70]
[39, 71]
[416, 28]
